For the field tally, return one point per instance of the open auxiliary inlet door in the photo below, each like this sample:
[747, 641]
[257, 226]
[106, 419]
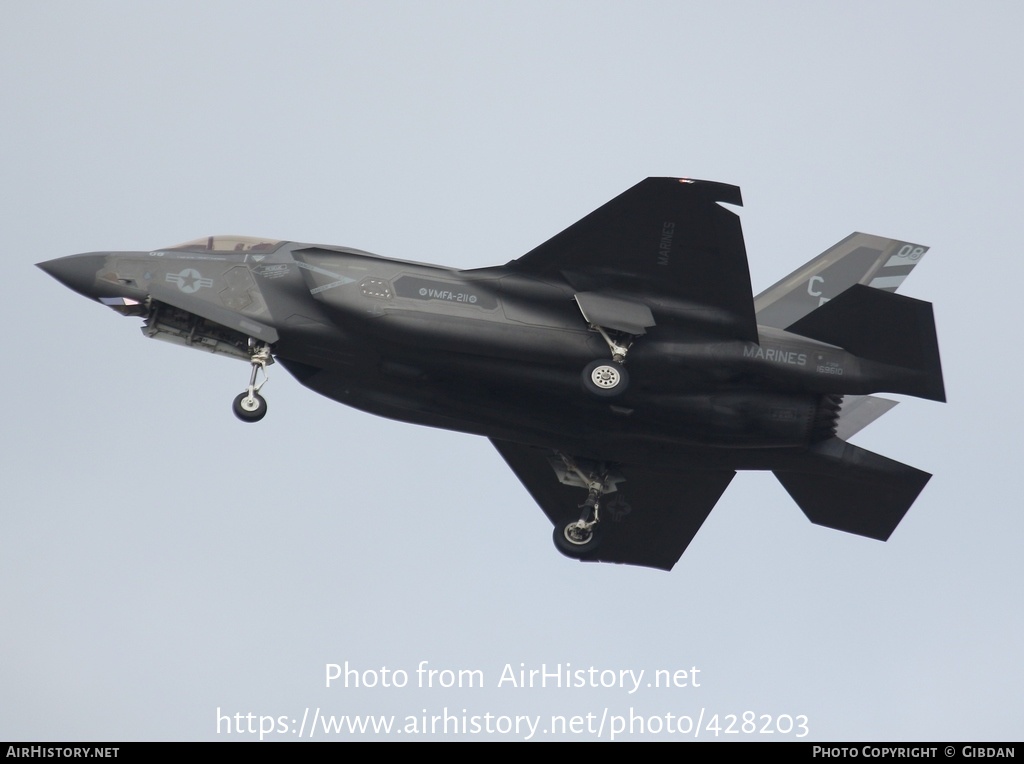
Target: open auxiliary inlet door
[627, 320]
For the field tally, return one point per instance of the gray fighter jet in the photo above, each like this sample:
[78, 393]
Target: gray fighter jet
[623, 368]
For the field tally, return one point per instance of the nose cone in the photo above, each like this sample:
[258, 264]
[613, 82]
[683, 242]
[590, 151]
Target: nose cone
[78, 272]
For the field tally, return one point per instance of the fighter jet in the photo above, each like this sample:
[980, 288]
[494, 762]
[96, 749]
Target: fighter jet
[623, 369]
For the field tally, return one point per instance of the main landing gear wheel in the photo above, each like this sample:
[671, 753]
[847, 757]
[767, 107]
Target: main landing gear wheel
[605, 379]
[580, 538]
[249, 407]
[577, 539]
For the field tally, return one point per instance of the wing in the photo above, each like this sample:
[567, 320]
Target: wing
[858, 259]
[665, 237]
[649, 520]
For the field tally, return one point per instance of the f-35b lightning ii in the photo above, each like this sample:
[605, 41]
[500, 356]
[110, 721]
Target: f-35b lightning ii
[623, 368]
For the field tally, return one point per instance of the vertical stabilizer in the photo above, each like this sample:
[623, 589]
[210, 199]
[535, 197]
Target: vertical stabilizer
[858, 259]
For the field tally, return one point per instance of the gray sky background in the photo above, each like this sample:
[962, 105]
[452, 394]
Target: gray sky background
[160, 560]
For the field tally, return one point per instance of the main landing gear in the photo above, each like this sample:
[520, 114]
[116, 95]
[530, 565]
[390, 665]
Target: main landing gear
[581, 537]
[607, 379]
[620, 322]
[250, 406]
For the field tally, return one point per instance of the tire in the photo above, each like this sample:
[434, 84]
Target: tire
[250, 409]
[576, 547]
[605, 379]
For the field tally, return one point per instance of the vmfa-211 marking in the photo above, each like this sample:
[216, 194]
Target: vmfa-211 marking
[623, 369]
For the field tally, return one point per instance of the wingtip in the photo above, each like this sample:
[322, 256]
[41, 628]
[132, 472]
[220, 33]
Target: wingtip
[715, 190]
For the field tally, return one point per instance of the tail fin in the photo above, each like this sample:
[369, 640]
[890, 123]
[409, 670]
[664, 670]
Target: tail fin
[850, 489]
[883, 327]
[858, 259]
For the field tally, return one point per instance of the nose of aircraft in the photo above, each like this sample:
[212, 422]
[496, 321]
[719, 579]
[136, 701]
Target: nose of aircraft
[77, 272]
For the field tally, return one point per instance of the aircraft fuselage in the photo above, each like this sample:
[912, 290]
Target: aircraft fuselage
[493, 353]
[624, 362]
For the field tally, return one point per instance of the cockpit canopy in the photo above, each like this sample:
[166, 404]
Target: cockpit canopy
[228, 244]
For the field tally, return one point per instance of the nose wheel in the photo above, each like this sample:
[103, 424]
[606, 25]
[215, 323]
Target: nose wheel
[250, 406]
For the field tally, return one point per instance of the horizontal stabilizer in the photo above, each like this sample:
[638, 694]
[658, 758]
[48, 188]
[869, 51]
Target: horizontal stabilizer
[884, 327]
[851, 489]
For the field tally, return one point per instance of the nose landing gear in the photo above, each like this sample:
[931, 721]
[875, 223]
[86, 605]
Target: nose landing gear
[250, 406]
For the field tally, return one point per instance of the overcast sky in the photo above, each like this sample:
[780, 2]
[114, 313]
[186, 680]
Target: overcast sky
[161, 563]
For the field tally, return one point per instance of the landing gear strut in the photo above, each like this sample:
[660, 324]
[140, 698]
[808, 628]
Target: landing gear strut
[250, 406]
[581, 537]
